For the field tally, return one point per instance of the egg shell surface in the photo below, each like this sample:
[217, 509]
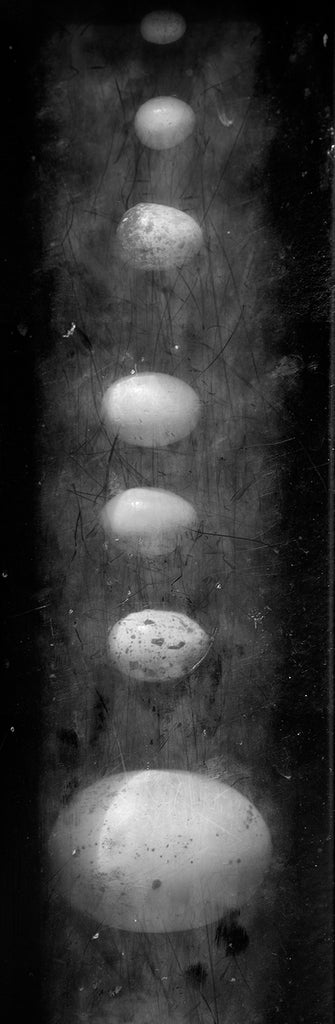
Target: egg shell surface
[159, 851]
[157, 646]
[164, 122]
[162, 27]
[152, 236]
[151, 409]
[148, 521]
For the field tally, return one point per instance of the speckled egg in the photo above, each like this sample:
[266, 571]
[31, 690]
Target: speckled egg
[151, 409]
[164, 122]
[147, 521]
[157, 646]
[162, 27]
[159, 851]
[152, 236]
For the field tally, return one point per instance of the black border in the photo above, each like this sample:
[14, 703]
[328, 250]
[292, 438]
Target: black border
[308, 227]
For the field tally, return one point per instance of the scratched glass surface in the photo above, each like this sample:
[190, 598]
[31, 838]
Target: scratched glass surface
[210, 323]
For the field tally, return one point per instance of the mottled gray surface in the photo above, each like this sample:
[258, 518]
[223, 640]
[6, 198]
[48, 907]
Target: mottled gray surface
[208, 323]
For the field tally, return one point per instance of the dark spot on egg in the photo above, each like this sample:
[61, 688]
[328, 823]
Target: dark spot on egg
[156, 883]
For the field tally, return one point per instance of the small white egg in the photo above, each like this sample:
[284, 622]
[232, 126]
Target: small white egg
[148, 521]
[151, 409]
[164, 122]
[152, 236]
[157, 646]
[159, 851]
[162, 27]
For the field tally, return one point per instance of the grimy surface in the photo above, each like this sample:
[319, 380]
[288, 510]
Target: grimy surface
[213, 323]
[207, 323]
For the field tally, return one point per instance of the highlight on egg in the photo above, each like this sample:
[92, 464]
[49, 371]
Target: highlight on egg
[148, 521]
[152, 236]
[159, 851]
[162, 27]
[164, 122]
[157, 646]
[151, 409]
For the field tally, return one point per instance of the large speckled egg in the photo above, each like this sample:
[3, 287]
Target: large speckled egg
[162, 27]
[159, 851]
[157, 646]
[155, 237]
[164, 122]
[151, 409]
[147, 521]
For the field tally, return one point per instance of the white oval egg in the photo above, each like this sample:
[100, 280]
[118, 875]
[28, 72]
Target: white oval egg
[147, 521]
[159, 851]
[152, 236]
[162, 27]
[157, 646]
[164, 122]
[151, 409]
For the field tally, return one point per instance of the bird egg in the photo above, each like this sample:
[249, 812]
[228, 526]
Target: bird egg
[164, 122]
[152, 236]
[162, 27]
[159, 851]
[157, 646]
[151, 409]
[148, 521]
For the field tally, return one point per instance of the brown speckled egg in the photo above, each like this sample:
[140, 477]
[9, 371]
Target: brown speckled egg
[157, 646]
[164, 122]
[152, 236]
[151, 409]
[147, 521]
[162, 27]
[159, 851]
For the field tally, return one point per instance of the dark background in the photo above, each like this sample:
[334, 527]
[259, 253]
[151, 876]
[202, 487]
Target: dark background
[302, 217]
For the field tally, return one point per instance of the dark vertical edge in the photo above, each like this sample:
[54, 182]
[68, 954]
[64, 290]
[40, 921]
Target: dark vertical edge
[20, 678]
[298, 74]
